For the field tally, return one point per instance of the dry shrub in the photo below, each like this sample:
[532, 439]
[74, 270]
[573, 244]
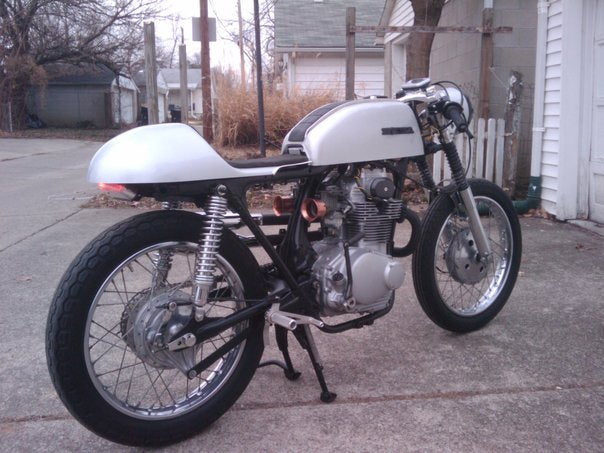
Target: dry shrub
[237, 112]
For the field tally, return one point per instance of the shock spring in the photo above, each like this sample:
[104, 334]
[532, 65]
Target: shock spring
[209, 244]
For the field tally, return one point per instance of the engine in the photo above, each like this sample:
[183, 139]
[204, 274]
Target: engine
[351, 207]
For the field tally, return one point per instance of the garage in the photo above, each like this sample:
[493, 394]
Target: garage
[568, 124]
[124, 111]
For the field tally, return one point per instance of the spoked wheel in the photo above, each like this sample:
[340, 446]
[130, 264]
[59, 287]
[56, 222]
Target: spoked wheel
[121, 300]
[456, 290]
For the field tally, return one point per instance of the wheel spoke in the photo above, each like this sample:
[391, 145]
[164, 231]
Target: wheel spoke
[134, 377]
[465, 298]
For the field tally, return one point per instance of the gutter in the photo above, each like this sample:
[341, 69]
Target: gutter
[533, 198]
[377, 50]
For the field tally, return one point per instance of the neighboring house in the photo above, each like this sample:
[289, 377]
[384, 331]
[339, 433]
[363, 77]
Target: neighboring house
[162, 93]
[85, 95]
[457, 56]
[310, 40]
[172, 78]
[568, 151]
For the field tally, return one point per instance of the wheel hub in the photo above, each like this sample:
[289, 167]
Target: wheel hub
[147, 323]
[463, 260]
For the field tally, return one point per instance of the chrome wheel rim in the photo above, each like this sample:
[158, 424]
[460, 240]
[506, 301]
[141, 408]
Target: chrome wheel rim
[124, 380]
[470, 299]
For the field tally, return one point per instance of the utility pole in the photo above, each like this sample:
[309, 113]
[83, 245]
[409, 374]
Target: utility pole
[206, 77]
[486, 61]
[241, 56]
[350, 51]
[184, 90]
[151, 73]
[259, 79]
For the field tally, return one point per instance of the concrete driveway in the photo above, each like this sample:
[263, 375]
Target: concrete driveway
[531, 380]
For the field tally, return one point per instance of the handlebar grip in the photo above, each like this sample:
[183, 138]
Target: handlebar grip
[454, 112]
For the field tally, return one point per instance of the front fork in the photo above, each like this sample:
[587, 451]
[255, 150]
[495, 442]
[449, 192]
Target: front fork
[465, 192]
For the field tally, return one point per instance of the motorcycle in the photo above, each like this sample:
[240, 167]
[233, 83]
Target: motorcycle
[159, 324]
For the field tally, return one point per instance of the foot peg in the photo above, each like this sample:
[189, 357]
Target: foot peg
[290, 321]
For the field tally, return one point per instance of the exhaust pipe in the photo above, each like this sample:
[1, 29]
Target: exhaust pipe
[283, 205]
[313, 209]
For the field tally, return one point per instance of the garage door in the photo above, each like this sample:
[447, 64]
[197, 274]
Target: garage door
[127, 100]
[596, 162]
[161, 106]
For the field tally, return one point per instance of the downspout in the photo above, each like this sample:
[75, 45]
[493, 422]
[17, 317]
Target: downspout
[533, 198]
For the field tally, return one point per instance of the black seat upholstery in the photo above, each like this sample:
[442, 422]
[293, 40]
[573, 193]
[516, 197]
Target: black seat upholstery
[273, 161]
[299, 131]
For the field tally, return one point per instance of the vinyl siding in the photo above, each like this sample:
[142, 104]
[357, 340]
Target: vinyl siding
[551, 114]
[327, 75]
[402, 16]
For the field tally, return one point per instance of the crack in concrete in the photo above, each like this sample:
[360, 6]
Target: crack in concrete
[421, 396]
[22, 157]
[358, 400]
[40, 230]
[34, 418]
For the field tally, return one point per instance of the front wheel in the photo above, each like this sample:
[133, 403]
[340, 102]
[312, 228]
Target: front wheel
[458, 292]
[121, 298]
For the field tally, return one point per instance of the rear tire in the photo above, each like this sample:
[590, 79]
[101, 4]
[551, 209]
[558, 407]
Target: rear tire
[436, 282]
[68, 327]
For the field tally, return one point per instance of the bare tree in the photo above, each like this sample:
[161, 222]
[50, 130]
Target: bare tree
[426, 12]
[267, 31]
[36, 33]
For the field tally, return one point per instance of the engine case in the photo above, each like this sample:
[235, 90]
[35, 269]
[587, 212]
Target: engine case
[375, 276]
[351, 209]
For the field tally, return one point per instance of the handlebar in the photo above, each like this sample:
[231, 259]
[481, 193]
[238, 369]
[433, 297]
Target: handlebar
[443, 101]
[454, 112]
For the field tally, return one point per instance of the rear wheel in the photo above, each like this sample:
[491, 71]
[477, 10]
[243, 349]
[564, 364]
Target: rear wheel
[122, 297]
[457, 291]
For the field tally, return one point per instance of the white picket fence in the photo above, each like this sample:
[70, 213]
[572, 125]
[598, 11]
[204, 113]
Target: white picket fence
[487, 153]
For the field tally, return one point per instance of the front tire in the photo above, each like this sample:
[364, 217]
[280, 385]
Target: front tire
[110, 379]
[456, 293]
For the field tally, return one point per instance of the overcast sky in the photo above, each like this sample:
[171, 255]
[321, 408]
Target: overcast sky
[222, 52]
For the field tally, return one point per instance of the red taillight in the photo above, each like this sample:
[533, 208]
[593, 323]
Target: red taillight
[106, 187]
[118, 191]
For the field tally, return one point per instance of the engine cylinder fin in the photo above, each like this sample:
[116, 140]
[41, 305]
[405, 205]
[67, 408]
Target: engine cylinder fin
[374, 222]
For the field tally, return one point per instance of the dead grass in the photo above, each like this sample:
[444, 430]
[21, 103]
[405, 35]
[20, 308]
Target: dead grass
[237, 122]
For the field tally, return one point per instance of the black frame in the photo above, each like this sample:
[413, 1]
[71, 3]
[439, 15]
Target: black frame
[295, 298]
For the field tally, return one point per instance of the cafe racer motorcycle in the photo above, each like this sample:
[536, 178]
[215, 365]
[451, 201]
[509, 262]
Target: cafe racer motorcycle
[159, 324]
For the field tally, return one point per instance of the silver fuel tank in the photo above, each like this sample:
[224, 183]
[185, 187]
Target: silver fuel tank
[356, 131]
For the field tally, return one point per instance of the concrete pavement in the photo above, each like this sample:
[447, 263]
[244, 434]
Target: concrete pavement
[531, 380]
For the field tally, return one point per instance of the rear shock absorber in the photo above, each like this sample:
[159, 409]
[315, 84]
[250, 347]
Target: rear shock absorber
[209, 244]
[162, 259]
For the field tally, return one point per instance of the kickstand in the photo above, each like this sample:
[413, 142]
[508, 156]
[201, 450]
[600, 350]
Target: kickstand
[288, 367]
[306, 340]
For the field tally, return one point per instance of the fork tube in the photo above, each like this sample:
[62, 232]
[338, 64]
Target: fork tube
[482, 243]
[467, 197]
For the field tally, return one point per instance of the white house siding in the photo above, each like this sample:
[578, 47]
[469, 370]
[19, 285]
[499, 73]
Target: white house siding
[402, 16]
[551, 114]
[196, 102]
[318, 74]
